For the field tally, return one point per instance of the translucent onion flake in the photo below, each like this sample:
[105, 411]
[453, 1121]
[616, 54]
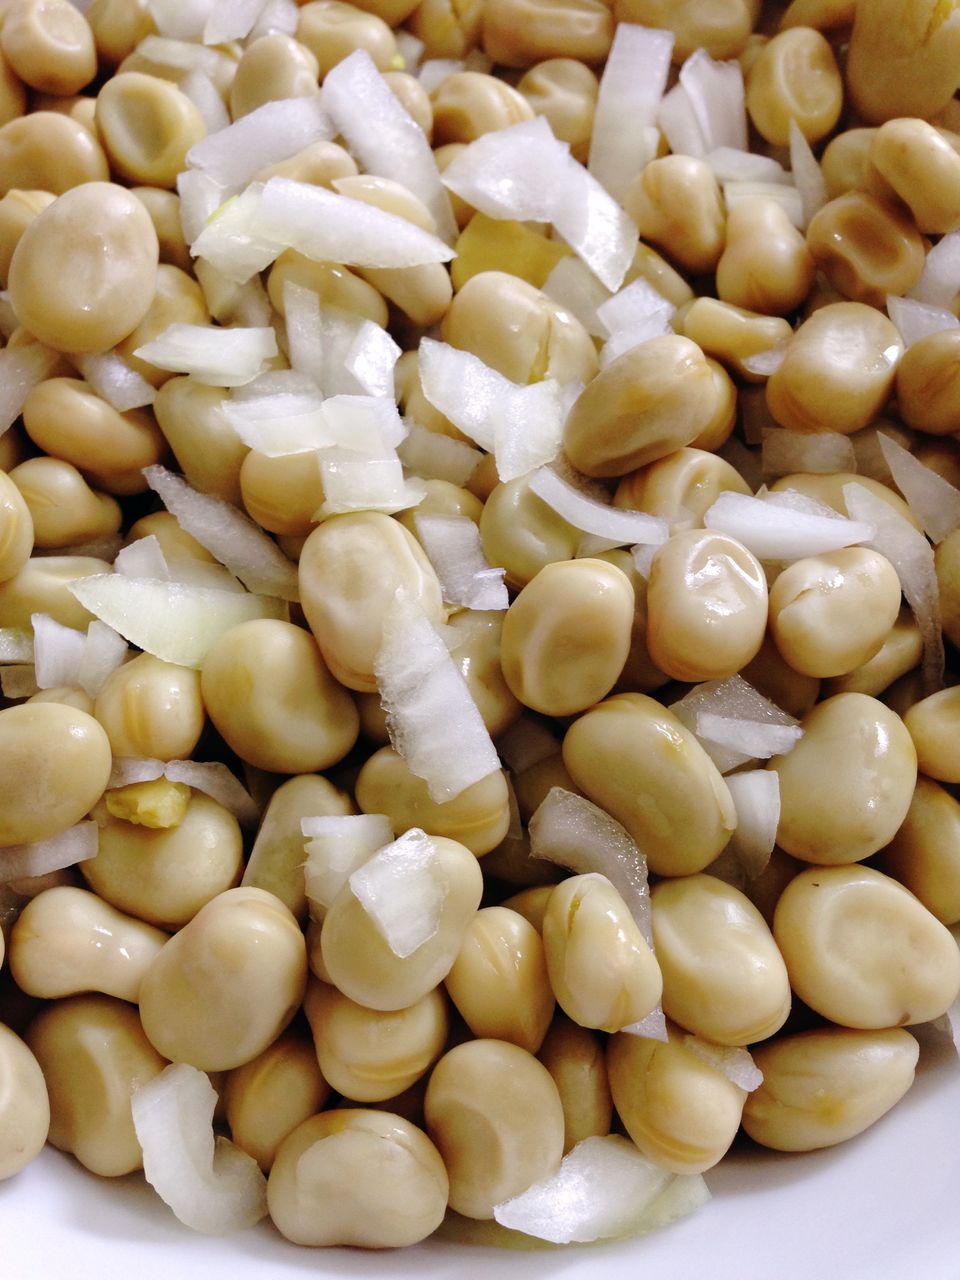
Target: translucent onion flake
[916, 320]
[235, 540]
[402, 889]
[807, 174]
[231, 20]
[736, 1064]
[730, 700]
[821, 453]
[215, 780]
[753, 739]
[356, 482]
[209, 1183]
[604, 1189]
[525, 744]
[939, 281]
[432, 718]
[16, 644]
[452, 544]
[336, 847]
[217, 357]
[114, 380]
[606, 526]
[773, 530]
[756, 798]
[273, 132]
[934, 501]
[434, 457]
[66, 849]
[21, 369]
[632, 84]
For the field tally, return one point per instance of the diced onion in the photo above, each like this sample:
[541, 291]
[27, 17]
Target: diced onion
[180, 19]
[750, 738]
[114, 381]
[787, 197]
[679, 125]
[103, 652]
[181, 55]
[575, 287]
[939, 281]
[356, 482]
[807, 175]
[217, 357]
[715, 91]
[273, 132]
[277, 17]
[228, 534]
[57, 652]
[608, 526]
[934, 501]
[205, 96]
[916, 320]
[733, 699]
[764, 363]
[731, 164]
[216, 781]
[452, 544]
[344, 354]
[756, 797]
[246, 305]
[231, 20]
[632, 84]
[402, 889]
[434, 457]
[733, 1062]
[16, 644]
[21, 369]
[410, 48]
[336, 847]
[209, 1183]
[143, 558]
[171, 620]
[434, 71]
[432, 719]
[76, 844]
[821, 453]
[200, 198]
[777, 532]
[129, 770]
[633, 315]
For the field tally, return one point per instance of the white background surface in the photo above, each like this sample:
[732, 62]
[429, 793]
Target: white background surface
[885, 1206]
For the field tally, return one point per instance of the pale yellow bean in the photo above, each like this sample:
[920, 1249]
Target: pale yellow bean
[64, 510]
[862, 951]
[924, 855]
[923, 169]
[147, 126]
[778, 681]
[13, 93]
[17, 532]
[575, 1060]
[42, 586]
[934, 725]
[158, 804]
[519, 33]
[151, 708]
[50, 46]
[17, 210]
[521, 533]
[722, 27]
[225, 986]
[477, 656]
[274, 66]
[564, 91]
[282, 494]
[866, 248]
[495, 1114]
[640, 673]
[765, 265]
[24, 1105]
[902, 59]
[845, 162]
[413, 97]
[467, 104]
[731, 334]
[48, 151]
[118, 27]
[448, 28]
[318, 164]
[175, 542]
[928, 392]
[204, 443]
[680, 487]
[332, 30]
[828, 489]
[266, 1099]
[795, 77]
[334, 284]
[676, 203]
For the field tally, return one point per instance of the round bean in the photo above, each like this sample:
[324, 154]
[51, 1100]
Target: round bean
[266, 1099]
[206, 446]
[43, 586]
[901, 61]
[50, 46]
[676, 203]
[467, 105]
[575, 1060]
[519, 33]
[924, 855]
[721, 28]
[274, 66]
[151, 708]
[680, 487]
[765, 265]
[48, 151]
[923, 169]
[934, 725]
[564, 91]
[332, 30]
[24, 1105]
[64, 510]
[866, 248]
[795, 77]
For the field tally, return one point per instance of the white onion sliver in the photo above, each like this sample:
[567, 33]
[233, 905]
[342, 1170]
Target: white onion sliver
[716, 94]
[452, 544]
[281, 424]
[731, 164]
[434, 457]
[934, 501]
[433, 71]
[16, 644]
[773, 531]
[807, 175]
[634, 78]
[750, 738]
[633, 315]
[229, 303]
[939, 281]
[601, 1191]
[65, 849]
[916, 320]
[21, 369]
[336, 847]
[103, 652]
[129, 770]
[652, 1027]
[787, 197]
[574, 286]
[114, 381]
[216, 781]
[171, 620]
[271, 133]
[383, 136]
[235, 540]
[357, 482]
[231, 20]
[823, 452]
[410, 49]
[569, 830]
[764, 363]
[205, 96]
[57, 652]
[613, 526]
[735, 1063]
[525, 744]
[217, 357]
[402, 889]
[679, 125]
[200, 198]
[181, 55]
[180, 20]
[733, 698]
[143, 558]
[756, 798]
[912, 556]
[278, 17]
[209, 1183]
[432, 719]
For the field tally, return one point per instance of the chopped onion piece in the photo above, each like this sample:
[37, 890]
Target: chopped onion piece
[733, 699]
[734, 1063]
[755, 741]
[574, 286]
[200, 198]
[434, 457]
[205, 96]
[524, 173]
[357, 482]
[525, 744]
[16, 644]
[773, 531]
[231, 20]
[18, 682]
[452, 544]
[58, 651]
[128, 770]
[171, 620]
[209, 1183]
[912, 556]
[939, 281]
[21, 369]
[715, 91]
[235, 540]
[281, 424]
[731, 164]
[246, 305]
[382, 135]
[402, 889]
[916, 320]
[756, 797]
[632, 84]
[410, 49]
[181, 55]
[652, 1027]
[180, 19]
[143, 558]
[934, 501]
[344, 354]
[788, 452]
[764, 363]
[336, 847]
[434, 71]
[114, 381]
[273, 132]
[76, 844]
[279, 17]
[569, 830]
[601, 1191]
[432, 718]
[633, 315]
[216, 357]
[788, 197]
[807, 175]
[608, 525]
[216, 781]
[103, 651]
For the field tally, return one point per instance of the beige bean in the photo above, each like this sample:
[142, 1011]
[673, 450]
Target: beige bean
[923, 169]
[467, 104]
[723, 417]
[477, 656]
[676, 203]
[722, 27]
[266, 1099]
[478, 817]
[272, 67]
[448, 28]
[413, 97]
[147, 126]
[933, 724]
[501, 1094]
[50, 46]
[94, 1055]
[17, 210]
[846, 786]
[519, 33]
[357, 1177]
[928, 393]
[69, 697]
[899, 654]
[567, 636]
[845, 162]
[655, 398]
[636, 760]
[680, 1110]
[17, 533]
[356, 559]
[47, 151]
[175, 542]
[177, 299]
[731, 334]
[370, 1055]
[157, 875]
[778, 681]
[335, 285]
[204, 443]
[679, 487]
[282, 494]
[441, 498]
[360, 962]
[830, 614]
[521, 533]
[640, 673]
[795, 77]
[319, 164]
[902, 59]
[118, 26]
[531, 903]
[924, 855]
[838, 370]
[164, 210]
[723, 977]
[947, 562]
[225, 986]
[24, 1105]
[564, 91]
[518, 330]
[826, 1086]
[828, 489]
[42, 586]
[83, 273]
[13, 93]
[152, 708]
[706, 606]
[575, 1060]
[499, 981]
[64, 510]
[863, 951]
[866, 247]
[765, 265]
[332, 30]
